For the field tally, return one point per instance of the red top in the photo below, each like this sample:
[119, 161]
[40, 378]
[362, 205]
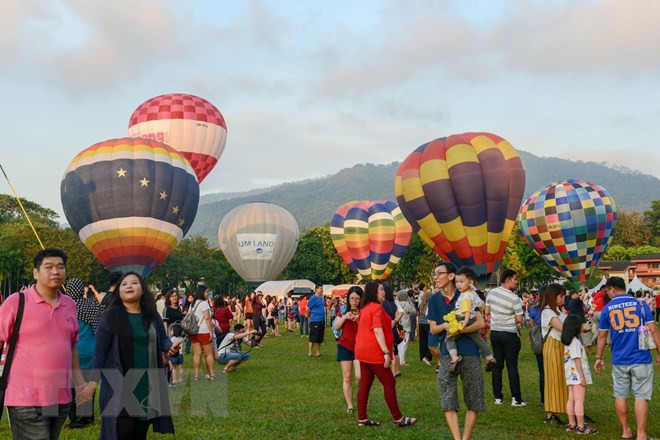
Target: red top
[348, 333]
[598, 301]
[366, 347]
[223, 315]
[302, 306]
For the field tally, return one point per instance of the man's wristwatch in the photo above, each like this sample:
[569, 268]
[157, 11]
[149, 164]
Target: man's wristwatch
[599, 358]
[386, 353]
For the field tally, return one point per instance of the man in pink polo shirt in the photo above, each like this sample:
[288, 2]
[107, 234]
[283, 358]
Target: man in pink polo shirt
[38, 391]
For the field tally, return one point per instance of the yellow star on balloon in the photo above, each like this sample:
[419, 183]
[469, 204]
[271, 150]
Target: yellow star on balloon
[163, 195]
[144, 182]
[181, 221]
[175, 210]
[121, 172]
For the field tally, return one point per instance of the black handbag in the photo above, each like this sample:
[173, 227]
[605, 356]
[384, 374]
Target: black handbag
[10, 352]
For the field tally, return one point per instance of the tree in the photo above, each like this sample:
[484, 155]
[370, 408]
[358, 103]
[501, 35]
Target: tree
[532, 269]
[313, 261]
[631, 230]
[416, 265]
[652, 220]
[195, 261]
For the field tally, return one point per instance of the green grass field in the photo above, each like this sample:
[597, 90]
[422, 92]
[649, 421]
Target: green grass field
[282, 394]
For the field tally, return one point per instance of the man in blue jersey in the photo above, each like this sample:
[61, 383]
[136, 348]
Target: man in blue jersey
[632, 368]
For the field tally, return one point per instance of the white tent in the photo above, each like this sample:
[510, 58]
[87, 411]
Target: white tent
[597, 287]
[281, 288]
[636, 285]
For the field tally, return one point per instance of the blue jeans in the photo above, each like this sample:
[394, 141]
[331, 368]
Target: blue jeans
[304, 323]
[37, 422]
[539, 363]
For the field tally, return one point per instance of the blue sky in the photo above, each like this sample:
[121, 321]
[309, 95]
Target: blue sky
[309, 88]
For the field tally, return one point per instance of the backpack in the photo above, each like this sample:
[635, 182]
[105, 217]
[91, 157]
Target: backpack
[190, 322]
[536, 339]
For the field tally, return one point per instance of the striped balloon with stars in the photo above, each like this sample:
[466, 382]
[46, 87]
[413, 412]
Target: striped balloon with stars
[371, 237]
[131, 201]
[569, 224]
[461, 194]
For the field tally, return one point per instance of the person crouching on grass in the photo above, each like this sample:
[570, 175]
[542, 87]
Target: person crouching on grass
[229, 349]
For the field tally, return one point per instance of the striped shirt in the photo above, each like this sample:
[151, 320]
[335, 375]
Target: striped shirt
[504, 306]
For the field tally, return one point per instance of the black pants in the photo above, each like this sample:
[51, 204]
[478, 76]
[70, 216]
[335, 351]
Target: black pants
[506, 347]
[424, 351]
[132, 428]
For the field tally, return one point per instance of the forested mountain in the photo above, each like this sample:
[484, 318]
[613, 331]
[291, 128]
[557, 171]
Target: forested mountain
[313, 202]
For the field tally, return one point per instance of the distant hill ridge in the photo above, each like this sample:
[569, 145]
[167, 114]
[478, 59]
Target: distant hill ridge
[313, 201]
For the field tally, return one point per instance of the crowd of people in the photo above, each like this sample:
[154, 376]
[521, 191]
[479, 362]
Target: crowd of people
[128, 346]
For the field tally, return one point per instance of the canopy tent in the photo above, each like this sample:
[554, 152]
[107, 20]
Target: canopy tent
[598, 286]
[281, 288]
[636, 285]
[339, 290]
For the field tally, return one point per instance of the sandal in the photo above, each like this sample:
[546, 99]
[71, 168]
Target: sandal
[405, 421]
[368, 422]
[585, 430]
[455, 364]
[490, 365]
[349, 410]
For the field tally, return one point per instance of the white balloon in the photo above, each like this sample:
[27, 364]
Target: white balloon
[258, 239]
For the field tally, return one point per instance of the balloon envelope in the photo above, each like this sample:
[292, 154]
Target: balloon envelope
[131, 201]
[190, 124]
[570, 225]
[258, 240]
[461, 194]
[370, 236]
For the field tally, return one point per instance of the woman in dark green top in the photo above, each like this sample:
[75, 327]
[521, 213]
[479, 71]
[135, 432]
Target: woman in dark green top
[130, 338]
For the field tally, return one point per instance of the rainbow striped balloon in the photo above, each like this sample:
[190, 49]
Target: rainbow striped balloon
[370, 236]
[461, 194]
[190, 124]
[131, 201]
[569, 224]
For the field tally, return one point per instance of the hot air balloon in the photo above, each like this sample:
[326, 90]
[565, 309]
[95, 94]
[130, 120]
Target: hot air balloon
[461, 194]
[190, 124]
[131, 201]
[570, 225]
[258, 240]
[370, 236]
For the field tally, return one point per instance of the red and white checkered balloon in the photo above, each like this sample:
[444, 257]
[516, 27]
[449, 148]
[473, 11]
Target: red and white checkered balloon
[190, 124]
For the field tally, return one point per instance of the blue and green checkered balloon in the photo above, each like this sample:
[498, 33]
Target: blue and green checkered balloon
[570, 225]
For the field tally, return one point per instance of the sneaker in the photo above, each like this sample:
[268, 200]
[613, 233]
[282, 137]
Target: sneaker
[490, 365]
[570, 427]
[515, 403]
[499, 401]
[585, 430]
[426, 362]
[172, 385]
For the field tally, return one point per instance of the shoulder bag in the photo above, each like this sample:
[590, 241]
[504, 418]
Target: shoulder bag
[6, 362]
